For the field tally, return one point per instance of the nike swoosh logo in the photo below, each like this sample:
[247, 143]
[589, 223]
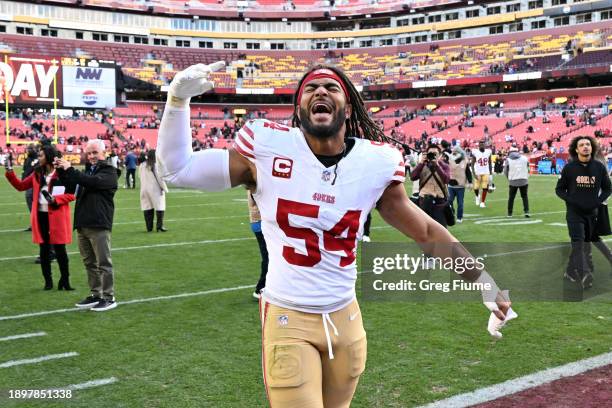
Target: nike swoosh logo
[353, 316]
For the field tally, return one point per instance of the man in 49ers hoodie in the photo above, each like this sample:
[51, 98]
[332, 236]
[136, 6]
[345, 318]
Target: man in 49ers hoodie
[584, 184]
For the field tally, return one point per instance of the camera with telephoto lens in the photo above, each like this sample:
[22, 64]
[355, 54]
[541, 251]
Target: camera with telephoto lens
[431, 156]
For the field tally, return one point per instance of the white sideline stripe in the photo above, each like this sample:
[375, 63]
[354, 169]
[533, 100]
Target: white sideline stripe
[23, 336]
[90, 384]
[182, 205]
[170, 220]
[13, 363]
[118, 199]
[180, 295]
[138, 208]
[522, 383]
[171, 244]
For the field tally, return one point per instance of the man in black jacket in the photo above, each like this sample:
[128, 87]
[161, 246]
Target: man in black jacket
[584, 184]
[93, 220]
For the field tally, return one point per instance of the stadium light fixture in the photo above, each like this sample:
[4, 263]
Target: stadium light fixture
[284, 19]
[196, 17]
[470, 2]
[368, 16]
[412, 10]
[333, 18]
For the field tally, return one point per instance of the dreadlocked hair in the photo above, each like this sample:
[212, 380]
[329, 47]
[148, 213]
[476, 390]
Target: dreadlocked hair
[359, 124]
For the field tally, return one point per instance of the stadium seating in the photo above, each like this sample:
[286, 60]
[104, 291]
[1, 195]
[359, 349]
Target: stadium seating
[507, 53]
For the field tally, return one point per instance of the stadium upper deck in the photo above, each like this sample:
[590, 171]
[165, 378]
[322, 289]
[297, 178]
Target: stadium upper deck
[560, 50]
[263, 8]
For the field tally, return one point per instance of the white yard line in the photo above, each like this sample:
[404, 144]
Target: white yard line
[169, 244]
[170, 220]
[522, 383]
[23, 336]
[138, 208]
[90, 384]
[145, 300]
[13, 363]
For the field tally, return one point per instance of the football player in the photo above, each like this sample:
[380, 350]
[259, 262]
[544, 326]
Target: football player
[481, 168]
[315, 183]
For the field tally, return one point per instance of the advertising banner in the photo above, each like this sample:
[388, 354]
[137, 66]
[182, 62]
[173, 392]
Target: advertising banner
[88, 83]
[30, 80]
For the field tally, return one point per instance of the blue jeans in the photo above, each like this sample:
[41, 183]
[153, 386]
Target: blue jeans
[458, 192]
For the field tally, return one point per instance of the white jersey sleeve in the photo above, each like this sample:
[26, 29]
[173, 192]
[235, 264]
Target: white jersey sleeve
[180, 165]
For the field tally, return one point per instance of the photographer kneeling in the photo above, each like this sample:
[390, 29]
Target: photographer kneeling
[433, 174]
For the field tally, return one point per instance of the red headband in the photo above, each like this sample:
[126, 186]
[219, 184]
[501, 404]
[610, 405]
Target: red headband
[323, 73]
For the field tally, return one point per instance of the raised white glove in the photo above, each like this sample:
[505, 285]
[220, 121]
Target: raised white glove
[191, 82]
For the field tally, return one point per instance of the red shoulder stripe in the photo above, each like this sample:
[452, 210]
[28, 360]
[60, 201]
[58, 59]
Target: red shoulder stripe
[248, 132]
[242, 152]
[245, 142]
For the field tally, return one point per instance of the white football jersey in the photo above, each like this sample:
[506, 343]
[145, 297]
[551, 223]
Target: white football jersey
[311, 222]
[481, 165]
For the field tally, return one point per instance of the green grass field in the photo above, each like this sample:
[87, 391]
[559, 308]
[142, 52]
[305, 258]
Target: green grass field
[204, 350]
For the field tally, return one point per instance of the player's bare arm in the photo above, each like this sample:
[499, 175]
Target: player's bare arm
[398, 211]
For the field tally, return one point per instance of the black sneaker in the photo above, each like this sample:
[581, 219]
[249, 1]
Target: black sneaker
[89, 302]
[587, 280]
[104, 305]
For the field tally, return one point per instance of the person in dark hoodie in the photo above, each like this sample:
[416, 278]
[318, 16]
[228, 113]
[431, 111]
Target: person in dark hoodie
[93, 220]
[584, 185]
[516, 169]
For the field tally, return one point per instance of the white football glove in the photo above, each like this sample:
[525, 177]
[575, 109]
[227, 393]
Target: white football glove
[191, 82]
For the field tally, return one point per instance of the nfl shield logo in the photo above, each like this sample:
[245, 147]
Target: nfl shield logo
[326, 175]
[283, 320]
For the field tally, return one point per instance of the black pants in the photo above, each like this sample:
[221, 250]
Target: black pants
[45, 250]
[582, 231]
[28, 198]
[130, 175]
[263, 250]
[524, 197]
[366, 226]
[434, 207]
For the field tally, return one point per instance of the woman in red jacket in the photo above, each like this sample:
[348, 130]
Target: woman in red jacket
[50, 216]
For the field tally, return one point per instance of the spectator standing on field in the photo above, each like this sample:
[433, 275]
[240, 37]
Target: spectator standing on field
[460, 176]
[255, 219]
[50, 218]
[131, 162]
[584, 185]
[93, 220]
[516, 169]
[153, 191]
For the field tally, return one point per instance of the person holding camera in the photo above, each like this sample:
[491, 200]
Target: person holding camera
[433, 175]
[50, 216]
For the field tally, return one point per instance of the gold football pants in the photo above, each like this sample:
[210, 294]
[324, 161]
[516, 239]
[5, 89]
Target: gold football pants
[300, 368]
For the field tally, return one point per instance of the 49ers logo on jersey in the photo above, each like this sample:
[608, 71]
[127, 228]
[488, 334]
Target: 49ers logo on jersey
[282, 167]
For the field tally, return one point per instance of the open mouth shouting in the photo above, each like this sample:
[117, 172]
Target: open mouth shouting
[321, 111]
